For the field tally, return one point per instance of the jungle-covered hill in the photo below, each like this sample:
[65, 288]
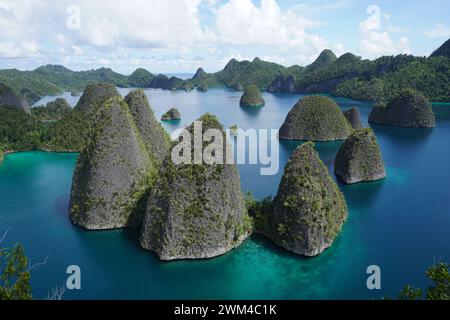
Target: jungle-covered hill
[347, 76]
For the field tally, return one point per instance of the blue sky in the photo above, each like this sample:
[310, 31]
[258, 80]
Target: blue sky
[182, 35]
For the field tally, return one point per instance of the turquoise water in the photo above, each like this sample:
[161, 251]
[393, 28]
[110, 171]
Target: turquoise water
[401, 224]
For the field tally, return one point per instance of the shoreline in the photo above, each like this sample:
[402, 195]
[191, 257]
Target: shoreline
[8, 152]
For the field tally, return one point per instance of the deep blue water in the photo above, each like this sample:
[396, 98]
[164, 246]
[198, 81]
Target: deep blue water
[401, 223]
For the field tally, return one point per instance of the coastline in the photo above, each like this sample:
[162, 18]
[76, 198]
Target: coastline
[8, 152]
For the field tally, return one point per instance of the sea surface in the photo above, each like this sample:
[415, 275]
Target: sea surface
[401, 224]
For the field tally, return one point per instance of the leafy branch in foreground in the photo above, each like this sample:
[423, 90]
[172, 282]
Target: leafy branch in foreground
[14, 274]
[439, 289]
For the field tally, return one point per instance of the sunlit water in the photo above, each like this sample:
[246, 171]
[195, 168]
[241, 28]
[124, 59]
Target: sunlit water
[401, 223]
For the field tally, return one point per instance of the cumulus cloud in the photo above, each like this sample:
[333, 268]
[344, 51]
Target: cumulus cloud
[439, 30]
[243, 23]
[376, 36]
[106, 23]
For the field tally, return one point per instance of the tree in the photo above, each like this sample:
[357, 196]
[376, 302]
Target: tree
[14, 274]
[439, 289]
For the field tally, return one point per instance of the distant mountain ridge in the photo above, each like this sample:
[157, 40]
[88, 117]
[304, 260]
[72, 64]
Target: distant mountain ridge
[347, 76]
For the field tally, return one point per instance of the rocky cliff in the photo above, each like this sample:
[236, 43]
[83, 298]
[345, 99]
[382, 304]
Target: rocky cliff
[94, 96]
[309, 209]
[284, 84]
[195, 211]
[410, 109]
[10, 99]
[354, 118]
[113, 172]
[359, 159]
[155, 137]
[315, 118]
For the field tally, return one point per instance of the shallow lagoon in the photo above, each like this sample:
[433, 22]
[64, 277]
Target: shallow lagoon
[401, 224]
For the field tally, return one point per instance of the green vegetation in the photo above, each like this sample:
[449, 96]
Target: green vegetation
[359, 159]
[69, 80]
[14, 274]
[28, 84]
[315, 118]
[439, 289]
[309, 209]
[234, 129]
[209, 218]
[54, 79]
[53, 111]
[443, 50]
[326, 58]
[55, 127]
[19, 130]
[348, 76]
[252, 97]
[202, 87]
[140, 78]
[409, 109]
[361, 89]
[245, 73]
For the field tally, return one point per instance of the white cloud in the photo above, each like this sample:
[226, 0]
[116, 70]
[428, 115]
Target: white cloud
[376, 39]
[242, 23]
[439, 30]
[106, 23]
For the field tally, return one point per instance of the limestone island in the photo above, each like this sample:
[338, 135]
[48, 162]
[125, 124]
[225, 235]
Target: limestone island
[172, 114]
[94, 96]
[309, 210]
[315, 118]
[116, 169]
[359, 159]
[354, 118]
[411, 109]
[252, 97]
[195, 211]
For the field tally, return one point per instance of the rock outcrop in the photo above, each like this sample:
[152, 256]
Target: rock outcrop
[195, 211]
[309, 209]
[442, 51]
[9, 99]
[172, 114]
[140, 78]
[359, 159]
[200, 74]
[75, 94]
[94, 96]
[410, 109]
[315, 118]
[155, 137]
[354, 118]
[284, 84]
[202, 87]
[252, 97]
[326, 58]
[113, 172]
[163, 82]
